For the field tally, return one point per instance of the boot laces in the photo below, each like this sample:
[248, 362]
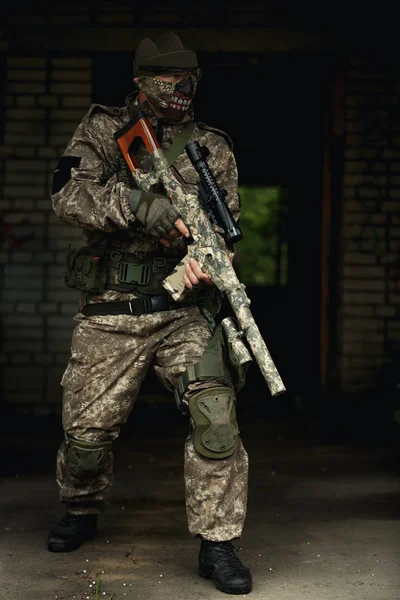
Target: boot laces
[70, 523]
[226, 553]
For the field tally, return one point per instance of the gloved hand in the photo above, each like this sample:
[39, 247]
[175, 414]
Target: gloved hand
[154, 211]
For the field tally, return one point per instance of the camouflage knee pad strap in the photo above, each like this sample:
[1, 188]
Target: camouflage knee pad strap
[86, 459]
[212, 365]
[213, 420]
[225, 360]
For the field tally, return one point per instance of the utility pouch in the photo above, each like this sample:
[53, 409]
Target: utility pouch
[127, 272]
[86, 269]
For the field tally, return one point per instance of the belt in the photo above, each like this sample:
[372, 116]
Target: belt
[137, 306]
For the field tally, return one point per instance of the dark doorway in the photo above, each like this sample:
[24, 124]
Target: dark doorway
[273, 108]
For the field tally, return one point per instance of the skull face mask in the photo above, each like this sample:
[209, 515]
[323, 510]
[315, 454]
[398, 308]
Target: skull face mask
[172, 99]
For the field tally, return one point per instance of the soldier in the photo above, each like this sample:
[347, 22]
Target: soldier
[127, 322]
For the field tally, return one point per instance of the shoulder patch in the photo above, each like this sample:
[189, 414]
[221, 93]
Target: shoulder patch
[226, 137]
[62, 174]
[114, 111]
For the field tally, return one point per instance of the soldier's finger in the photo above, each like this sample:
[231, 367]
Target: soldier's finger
[196, 268]
[186, 280]
[165, 242]
[191, 275]
[174, 233]
[180, 225]
[198, 271]
[207, 279]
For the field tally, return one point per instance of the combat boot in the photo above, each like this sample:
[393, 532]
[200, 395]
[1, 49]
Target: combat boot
[71, 532]
[218, 561]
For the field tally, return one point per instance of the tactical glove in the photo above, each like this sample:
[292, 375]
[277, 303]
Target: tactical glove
[154, 212]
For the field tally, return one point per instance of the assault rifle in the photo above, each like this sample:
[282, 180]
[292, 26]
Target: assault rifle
[207, 247]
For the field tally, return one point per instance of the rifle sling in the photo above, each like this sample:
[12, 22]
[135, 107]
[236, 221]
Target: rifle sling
[179, 143]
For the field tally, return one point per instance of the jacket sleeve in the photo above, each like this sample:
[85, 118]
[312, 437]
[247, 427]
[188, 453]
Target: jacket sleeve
[78, 195]
[226, 174]
[222, 163]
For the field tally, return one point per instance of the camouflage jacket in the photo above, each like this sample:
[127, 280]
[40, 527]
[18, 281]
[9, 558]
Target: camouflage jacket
[94, 193]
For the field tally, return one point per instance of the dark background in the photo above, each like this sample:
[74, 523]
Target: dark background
[303, 89]
[274, 105]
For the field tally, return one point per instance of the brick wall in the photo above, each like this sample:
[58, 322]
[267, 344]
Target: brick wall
[47, 81]
[369, 324]
[45, 99]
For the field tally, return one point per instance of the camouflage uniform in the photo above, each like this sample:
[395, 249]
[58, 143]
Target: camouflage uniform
[111, 354]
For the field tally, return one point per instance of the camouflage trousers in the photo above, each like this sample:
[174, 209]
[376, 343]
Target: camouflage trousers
[110, 356]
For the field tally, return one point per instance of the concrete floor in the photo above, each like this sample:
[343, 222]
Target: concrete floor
[323, 516]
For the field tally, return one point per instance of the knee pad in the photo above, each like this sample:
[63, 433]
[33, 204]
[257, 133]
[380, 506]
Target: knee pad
[215, 431]
[86, 459]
